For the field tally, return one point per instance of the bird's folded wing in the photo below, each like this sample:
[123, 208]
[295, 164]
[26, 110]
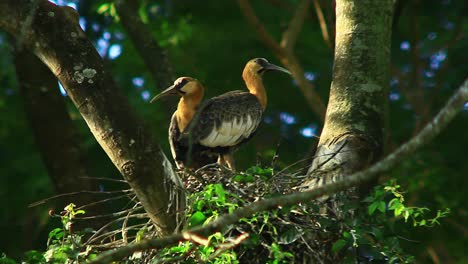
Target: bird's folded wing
[225, 121]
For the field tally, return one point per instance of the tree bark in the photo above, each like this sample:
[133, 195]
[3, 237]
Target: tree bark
[54, 35]
[352, 137]
[353, 134]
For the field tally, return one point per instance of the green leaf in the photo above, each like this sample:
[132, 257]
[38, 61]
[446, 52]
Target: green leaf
[347, 235]
[197, 218]
[103, 8]
[399, 210]
[338, 245]
[80, 212]
[220, 192]
[373, 206]
[381, 207]
[243, 178]
[34, 256]
[56, 233]
[6, 260]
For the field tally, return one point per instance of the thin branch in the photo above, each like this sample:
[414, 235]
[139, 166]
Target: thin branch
[286, 56]
[323, 24]
[154, 56]
[43, 201]
[295, 26]
[430, 131]
[264, 36]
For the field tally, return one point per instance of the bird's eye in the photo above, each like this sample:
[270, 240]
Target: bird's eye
[181, 83]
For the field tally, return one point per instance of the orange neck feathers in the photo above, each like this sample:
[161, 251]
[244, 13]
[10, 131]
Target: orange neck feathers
[254, 83]
[187, 107]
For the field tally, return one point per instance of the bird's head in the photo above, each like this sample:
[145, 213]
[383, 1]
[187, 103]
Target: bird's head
[257, 66]
[183, 86]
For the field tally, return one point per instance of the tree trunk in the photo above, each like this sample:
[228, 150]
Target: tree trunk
[352, 137]
[54, 35]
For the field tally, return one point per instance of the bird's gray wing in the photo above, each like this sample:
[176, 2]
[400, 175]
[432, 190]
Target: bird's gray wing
[225, 120]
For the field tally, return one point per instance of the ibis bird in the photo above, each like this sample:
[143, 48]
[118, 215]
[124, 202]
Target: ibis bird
[201, 133]
[191, 92]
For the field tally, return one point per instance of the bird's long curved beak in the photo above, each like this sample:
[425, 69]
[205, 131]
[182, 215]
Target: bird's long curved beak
[169, 91]
[273, 67]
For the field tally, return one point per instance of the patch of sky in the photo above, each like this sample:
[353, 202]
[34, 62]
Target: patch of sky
[394, 96]
[310, 76]
[96, 27]
[82, 22]
[429, 74]
[145, 95]
[62, 90]
[465, 106]
[287, 118]
[437, 58]
[405, 45]
[309, 131]
[114, 51]
[138, 82]
[72, 5]
[119, 35]
[102, 46]
[432, 36]
[106, 35]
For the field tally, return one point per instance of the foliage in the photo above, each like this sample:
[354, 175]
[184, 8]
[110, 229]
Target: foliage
[198, 45]
[63, 245]
[371, 236]
[373, 233]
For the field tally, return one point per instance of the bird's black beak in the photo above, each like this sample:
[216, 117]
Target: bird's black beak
[273, 67]
[169, 91]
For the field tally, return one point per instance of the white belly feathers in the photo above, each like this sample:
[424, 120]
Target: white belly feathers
[230, 132]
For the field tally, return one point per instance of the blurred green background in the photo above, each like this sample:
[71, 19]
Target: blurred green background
[211, 41]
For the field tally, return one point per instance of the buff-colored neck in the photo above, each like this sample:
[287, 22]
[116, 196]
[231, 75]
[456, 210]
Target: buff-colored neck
[187, 107]
[254, 83]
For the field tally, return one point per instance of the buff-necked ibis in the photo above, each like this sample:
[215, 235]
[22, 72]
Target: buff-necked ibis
[200, 133]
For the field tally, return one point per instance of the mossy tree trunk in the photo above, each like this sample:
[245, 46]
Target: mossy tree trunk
[53, 34]
[352, 137]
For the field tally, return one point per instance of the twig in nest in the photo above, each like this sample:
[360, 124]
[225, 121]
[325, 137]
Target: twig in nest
[195, 238]
[229, 245]
[74, 193]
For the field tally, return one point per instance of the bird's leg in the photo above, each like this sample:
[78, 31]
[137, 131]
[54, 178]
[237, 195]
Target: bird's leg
[229, 160]
[221, 160]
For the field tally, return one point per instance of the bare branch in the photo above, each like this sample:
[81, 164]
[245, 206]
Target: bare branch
[286, 56]
[155, 57]
[295, 26]
[431, 130]
[323, 24]
[257, 25]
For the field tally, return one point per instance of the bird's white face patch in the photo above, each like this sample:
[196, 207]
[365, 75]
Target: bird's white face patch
[230, 132]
